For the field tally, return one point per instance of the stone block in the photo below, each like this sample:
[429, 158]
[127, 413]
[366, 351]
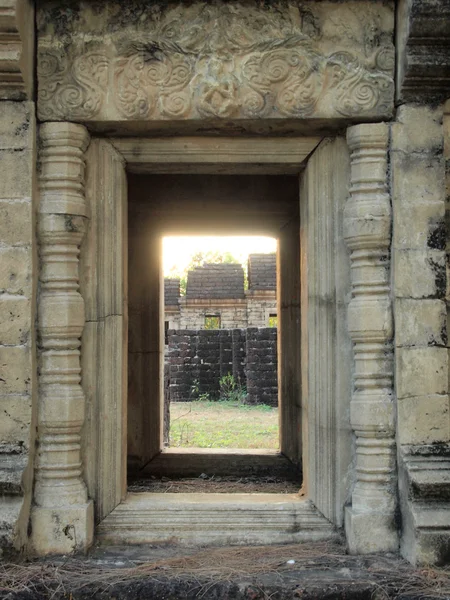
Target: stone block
[62, 529]
[421, 372]
[417, 178]
[420, 322]
[15, 419]
[419, 224]
[12, 466]
[17, 174]
[424, 419]
[16, 271]
[15, 369]
[417, 129]
[16, 125]
[10, 515]
[419, 273]
[16, 227]
[369, 532]
[15, 319]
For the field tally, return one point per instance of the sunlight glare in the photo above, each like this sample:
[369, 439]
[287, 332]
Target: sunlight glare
[179, 250]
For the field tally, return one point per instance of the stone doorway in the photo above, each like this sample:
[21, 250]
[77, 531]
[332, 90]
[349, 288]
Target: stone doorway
[120, 164]
[199, 204]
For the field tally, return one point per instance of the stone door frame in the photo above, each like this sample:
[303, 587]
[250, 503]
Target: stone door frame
[326, 348]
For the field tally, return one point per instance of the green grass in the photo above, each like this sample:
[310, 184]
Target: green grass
[223, 425]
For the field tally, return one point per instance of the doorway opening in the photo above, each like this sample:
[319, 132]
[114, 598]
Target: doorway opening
[220, 356]
[213, 352]
[314, 425]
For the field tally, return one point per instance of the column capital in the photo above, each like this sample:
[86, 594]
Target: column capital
[61, 181]
[372, 135]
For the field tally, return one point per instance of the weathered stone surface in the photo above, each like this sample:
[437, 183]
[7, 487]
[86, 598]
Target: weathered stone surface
[16, 49]
[422, 43]
[421, 371]
[424, 419]
[324, 332]
[16, 271]
[14, 320]
[417, 129]
[17, 301]
[419, 273]
[420, 284]
[370, 520]
[15, 223]
[205, 61]
[419, 224]
[15, 372]
[9, 517]
[62, 514]
[16, 419]
[12, 465]
[103, 273]
[17, 125]
[421, 176]
[17, 173]
[420, 322]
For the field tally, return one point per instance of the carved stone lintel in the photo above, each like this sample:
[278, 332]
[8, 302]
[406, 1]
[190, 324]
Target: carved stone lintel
[370, 523]
[62, 517]
[208, 60]
[16, 49]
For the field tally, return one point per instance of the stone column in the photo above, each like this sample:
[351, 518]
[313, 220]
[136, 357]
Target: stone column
[369, 521]
[62, 518]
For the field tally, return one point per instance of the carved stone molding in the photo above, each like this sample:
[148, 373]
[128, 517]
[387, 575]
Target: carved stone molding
[424, 481]
[370, 523]
[16, 49]
[62, 518]
[423, 41]
[216, 61]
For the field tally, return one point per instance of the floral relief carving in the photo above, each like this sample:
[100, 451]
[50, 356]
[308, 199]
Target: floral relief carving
[232, 61]
[72, 86]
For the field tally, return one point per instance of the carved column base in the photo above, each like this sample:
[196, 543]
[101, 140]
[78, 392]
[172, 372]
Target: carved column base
[369, 532]
[62, 529]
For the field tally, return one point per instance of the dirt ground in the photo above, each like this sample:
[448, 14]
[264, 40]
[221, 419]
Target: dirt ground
[214, 485]
[310, 571]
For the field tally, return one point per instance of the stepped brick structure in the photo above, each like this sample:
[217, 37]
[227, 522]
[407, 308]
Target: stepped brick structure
[217, 291]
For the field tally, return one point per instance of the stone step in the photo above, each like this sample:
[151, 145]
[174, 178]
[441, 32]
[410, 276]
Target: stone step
[192, 462]
[214, 519]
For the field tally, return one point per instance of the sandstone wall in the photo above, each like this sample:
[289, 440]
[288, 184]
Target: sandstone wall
[420, 287]
[18, 271]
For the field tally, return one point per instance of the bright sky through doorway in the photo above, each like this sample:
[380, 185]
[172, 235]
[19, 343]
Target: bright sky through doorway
[178, 250]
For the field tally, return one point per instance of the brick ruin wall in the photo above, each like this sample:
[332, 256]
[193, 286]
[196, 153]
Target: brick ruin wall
[262, 271]
[198, 359]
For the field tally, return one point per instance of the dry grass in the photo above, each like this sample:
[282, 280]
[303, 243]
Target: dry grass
[390, 577]
[223, 425]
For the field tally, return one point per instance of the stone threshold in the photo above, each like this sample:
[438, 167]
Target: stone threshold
[192, 462]
[214, 519]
